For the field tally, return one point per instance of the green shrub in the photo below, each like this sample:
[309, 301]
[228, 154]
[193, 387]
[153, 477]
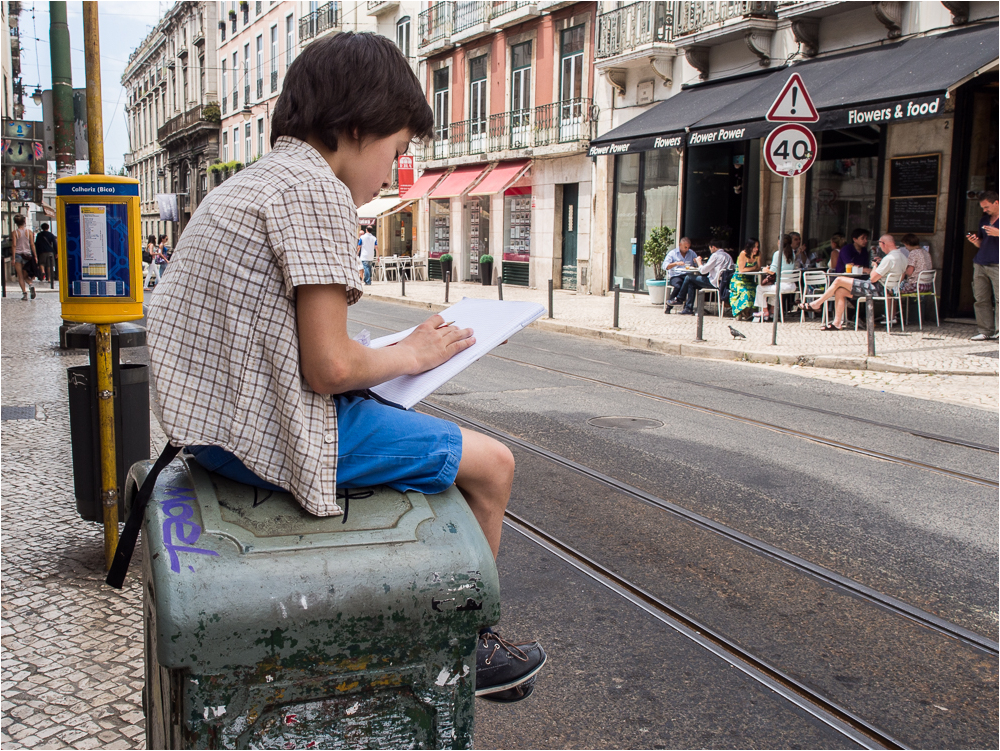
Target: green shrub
[445, 257]
[486, 258]
[656, 249]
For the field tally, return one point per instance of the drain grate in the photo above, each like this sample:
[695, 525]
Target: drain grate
[994, 353]
[629, 423]
[17, 413]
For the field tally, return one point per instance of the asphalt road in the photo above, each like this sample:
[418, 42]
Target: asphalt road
[922, 537]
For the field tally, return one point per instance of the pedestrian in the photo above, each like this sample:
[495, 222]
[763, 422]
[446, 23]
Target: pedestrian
[164, 248]
[270, 303]
[674, 264]
[23, 240]
[368, 245]
[149, 254]
[45, 244]
[984, 267]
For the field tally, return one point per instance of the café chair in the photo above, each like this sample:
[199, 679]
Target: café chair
[791, 277]
[813, 286]
[418, 267]
[891, 285]
[926, 287]
[390, 265]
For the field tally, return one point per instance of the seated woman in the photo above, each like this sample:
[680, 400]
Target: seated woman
[787, 288]
[920, 260]
[742, 287]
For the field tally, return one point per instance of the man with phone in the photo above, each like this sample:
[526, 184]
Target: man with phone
[984, 267]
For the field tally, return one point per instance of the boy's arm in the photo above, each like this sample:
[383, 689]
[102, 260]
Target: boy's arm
[333, 363]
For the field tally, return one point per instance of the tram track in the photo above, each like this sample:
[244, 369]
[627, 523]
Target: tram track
[825, 710]
[820, 573]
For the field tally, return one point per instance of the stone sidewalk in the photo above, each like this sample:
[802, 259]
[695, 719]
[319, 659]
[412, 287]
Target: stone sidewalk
[940, 350]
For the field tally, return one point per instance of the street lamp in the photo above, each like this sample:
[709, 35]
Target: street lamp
[36, 96]
[247, 113]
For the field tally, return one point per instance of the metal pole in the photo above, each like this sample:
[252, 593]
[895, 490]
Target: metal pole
[447, 283]
[618, 290]
[777, 272]
[51, 271]
[700, 306]
[500, 288]
[550, 299]
[870, 321]
[92, 58]
[402, 281]
[62, 91]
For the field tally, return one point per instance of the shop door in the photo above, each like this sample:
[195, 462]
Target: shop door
[713, 201]
[571, 195]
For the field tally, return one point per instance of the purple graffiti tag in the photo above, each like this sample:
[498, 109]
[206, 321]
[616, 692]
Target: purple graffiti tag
[179, 522]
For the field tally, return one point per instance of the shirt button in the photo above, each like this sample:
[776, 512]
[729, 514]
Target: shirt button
[329, 438]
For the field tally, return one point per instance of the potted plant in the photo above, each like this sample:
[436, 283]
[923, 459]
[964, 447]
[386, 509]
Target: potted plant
[486, 269]
[653, 253]
[445, 265]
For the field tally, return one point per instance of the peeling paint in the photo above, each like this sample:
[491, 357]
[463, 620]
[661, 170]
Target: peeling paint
[213, 712]
[443, 677]
[353, 708]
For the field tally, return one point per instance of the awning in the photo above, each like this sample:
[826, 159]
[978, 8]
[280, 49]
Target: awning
[895, 82]
[502, 177]
[377, 207]
[396, 209]
[458, 182]
[422, 186]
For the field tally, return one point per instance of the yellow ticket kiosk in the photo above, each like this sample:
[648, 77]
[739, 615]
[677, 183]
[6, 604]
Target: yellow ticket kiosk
[100, 248]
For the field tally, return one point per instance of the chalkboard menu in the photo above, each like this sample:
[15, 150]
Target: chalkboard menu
[914, 176]
[918, 215]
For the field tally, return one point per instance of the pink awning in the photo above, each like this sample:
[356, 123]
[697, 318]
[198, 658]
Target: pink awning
[458, 182]
[422, 186]
[502, 177]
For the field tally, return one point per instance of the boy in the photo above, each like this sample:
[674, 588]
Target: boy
[248, 340]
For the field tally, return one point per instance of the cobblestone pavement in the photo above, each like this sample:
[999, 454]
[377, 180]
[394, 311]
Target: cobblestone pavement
[941, 350]
[71, 646]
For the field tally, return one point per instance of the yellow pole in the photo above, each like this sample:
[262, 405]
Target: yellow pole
[105, 380]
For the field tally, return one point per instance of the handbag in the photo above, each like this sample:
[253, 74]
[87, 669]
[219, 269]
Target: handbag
[768, 278]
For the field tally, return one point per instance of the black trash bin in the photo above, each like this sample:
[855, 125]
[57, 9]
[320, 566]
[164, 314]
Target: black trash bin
[131, 386]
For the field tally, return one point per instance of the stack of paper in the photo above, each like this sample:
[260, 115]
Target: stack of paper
[492, 323]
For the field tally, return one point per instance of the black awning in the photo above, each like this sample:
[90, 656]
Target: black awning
[893, 82]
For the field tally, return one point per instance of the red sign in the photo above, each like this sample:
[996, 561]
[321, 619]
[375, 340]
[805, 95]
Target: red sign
[790, 149]
[404, 173]
[793, 105]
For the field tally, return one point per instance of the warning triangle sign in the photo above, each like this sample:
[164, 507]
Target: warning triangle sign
[793, 105]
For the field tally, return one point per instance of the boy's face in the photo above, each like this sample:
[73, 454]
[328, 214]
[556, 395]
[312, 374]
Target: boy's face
[366, 166]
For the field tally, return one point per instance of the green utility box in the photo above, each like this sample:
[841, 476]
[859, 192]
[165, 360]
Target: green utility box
[267, 627]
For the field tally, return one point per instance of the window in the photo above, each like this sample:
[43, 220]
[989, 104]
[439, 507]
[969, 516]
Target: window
[441, 113]
[201, 78]
[571, 85]
[260, 136]
[225, 146]
[477, 104]
[246, 141]
[184, 78]
[274, 59]
[289, 41]
[260, 66]
[403, 35]
[520, 95]
[224, 88]
[236, 82]
[173, 89]
[246, 74]
[236, 144]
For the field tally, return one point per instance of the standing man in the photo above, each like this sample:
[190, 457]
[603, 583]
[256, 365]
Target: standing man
[984, 267]
[368, 244]
[45, 244]
[674, 264]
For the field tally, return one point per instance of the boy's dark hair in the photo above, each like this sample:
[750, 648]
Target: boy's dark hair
[856, 233]
[350, 83]
[716, 243]
[45, 226]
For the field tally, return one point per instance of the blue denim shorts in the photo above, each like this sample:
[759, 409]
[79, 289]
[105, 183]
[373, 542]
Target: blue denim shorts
[378, 445]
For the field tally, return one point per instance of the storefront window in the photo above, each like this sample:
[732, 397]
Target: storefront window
[401, 233]
[440, 227]
[517, 224]
[477, 219]
[660, 192]
[626, 193]
[843, 185]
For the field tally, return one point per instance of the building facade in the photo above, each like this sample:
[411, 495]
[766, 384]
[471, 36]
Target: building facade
[902, 138]
[507, 172]
[172, 81]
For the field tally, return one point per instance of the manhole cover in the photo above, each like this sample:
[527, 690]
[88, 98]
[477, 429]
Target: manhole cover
[994, 353]
[634, 423]
[17, 413]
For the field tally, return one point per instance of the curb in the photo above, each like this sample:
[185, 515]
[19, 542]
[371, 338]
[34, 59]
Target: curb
[832, 362]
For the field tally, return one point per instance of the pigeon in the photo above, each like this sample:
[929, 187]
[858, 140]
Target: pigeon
[736, 334]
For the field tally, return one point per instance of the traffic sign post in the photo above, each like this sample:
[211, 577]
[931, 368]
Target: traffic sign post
[789, 150]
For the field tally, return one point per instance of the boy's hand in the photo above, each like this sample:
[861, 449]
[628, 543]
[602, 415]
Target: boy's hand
[433, 343]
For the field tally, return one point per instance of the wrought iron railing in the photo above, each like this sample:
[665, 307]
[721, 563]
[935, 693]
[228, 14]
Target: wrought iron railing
[436, 23]
[506, 6]
[692, 17]
[625, 29]
[223, 104]
[564, 122]
[236, 101]
[470, 13]
[509, 130]
[260, 88]
[192, 117]
[323, 18]
[246, 94]
[274, 81]
[464, 138]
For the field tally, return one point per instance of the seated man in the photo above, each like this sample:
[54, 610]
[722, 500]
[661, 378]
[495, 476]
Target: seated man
[707, 276]
[854, 253]
[846, 288]
[674, 264]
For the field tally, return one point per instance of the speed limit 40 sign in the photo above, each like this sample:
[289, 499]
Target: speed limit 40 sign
[790, 149]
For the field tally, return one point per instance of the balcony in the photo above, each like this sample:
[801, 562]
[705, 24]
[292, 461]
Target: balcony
[184, 126]
[320, 20]
[571, 121]
[435, 28]
[378, 7]
[699, 17]
[637, 28]
[472, 20]
[701, 25]
[512, 12]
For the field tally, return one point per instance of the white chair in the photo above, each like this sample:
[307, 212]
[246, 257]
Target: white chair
[378, 274]
[813, 286]
[924, 279]
[390, 265]
[406, 266]
[789, 277]
[891, 285]
[419, 267]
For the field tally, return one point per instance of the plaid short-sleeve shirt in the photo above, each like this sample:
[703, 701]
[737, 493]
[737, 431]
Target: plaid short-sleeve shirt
[223, 342]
